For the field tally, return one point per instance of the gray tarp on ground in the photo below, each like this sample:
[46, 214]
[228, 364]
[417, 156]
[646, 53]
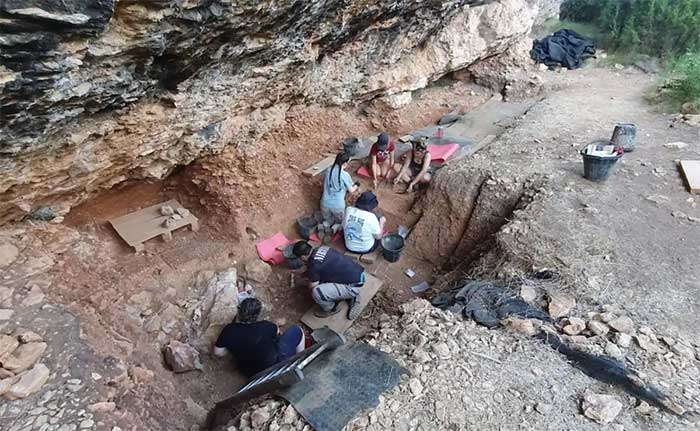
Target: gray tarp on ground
[339, 385]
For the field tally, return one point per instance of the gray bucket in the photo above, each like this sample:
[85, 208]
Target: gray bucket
[392, 245]
[625, 136]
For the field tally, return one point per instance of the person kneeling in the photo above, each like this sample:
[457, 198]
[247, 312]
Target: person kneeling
[361, 227]
[415, 169]
[381, 163]
[332, 278]
[257, 344]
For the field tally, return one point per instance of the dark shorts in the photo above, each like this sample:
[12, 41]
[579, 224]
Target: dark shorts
[415, 170]
[287, 343]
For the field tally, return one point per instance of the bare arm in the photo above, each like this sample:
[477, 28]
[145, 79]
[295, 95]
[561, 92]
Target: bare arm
[375, 167]
[382, 221]
[423, 171]
[391, 158]
[404, 169]
[220, 352]
[313, 284]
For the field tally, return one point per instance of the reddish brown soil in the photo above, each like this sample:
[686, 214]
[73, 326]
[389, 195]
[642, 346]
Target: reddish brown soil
[240, 196]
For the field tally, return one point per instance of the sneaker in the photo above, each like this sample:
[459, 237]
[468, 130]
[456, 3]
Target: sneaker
[323, 313]
[355, 308]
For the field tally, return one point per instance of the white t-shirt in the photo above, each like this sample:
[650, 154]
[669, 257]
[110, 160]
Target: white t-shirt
[359, 228]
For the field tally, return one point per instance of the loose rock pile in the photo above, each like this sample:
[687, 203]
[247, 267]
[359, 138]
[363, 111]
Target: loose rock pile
[21, 374]
[463, 376]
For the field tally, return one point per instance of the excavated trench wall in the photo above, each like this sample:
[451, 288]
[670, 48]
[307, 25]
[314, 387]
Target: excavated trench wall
[97, 92]
[463, 210]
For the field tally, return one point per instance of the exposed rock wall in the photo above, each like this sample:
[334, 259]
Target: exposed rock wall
[94, 92]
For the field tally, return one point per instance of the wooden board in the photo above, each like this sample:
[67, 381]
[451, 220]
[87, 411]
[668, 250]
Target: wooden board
[691, 172]
[140, 226]
[319, 167]
[339, 322]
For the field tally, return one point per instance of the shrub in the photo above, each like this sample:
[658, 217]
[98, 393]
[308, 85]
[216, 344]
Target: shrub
[663, 28]
[682, 81]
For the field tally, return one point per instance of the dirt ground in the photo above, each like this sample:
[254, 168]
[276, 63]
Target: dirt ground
[615, 242]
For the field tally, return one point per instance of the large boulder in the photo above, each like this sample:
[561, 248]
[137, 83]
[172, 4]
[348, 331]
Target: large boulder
[218, 305]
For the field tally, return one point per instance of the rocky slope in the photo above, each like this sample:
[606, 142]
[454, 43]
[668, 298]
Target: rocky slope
[95, 92]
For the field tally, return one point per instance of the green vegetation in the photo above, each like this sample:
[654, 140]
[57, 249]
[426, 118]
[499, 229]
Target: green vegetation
[681, 83]
[662, 28]
[666, 29]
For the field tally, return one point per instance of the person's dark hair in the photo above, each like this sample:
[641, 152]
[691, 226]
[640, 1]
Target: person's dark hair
[341, 159]
[249, 310]
[367, 201]
[301, 249]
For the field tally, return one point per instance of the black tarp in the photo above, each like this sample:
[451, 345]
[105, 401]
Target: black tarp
[564, 48]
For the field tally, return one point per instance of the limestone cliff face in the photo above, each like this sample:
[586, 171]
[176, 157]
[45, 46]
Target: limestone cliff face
[94, 92]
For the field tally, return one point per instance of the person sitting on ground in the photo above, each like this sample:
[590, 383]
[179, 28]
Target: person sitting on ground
[381, 164]
[332, 278]
[361, 227]
[416, 166]
[336, 184]
[257, 344]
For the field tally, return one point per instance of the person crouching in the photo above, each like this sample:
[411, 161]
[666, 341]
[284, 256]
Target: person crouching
[332, 278]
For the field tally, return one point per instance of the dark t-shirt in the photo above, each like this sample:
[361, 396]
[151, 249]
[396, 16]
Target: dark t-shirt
[327, 265]
[253, 345]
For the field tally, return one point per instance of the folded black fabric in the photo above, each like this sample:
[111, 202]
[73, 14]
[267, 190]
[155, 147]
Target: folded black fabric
[564, 48]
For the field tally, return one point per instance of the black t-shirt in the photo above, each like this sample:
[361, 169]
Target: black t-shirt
[253, 345]
[327, 265]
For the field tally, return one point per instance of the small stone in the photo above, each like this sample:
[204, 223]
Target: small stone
[676, 145]
[34, 297]
[441, 350]
[606, 317]
[259, 418]
[26, 336]
[521, 326]
[8, 344]
[612, 308]
[598, 328]
[646, 344]
[421, 356]
[24, 357]
[8, 254]
[574, 326]
[560, 304]
[102, 407]
[647, 331]
[6, 314]
[416, 387]
[4, 374]
[622, 339]
[613, 351]
[682, 350]
[528, 293]
[87, 423]
[601, 408]
[257, 271]
[622, 324]
[141, 376]
[29, 382]
[182, 357]
[166, 210]
[290, 415]
[543, 408]
[644, 409]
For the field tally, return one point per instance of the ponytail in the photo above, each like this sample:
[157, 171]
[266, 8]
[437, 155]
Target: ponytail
[341, 159]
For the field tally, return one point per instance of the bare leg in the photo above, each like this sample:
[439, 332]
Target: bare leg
[425, 179]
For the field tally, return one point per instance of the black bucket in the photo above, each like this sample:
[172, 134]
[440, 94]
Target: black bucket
[598, 168]
[392, 245]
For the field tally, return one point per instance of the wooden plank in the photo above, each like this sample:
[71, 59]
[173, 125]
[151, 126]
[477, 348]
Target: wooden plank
[339, 322]
[145, 224]
[319, 167]
[691, 172]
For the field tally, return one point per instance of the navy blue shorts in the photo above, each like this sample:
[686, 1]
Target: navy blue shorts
[287, 342]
